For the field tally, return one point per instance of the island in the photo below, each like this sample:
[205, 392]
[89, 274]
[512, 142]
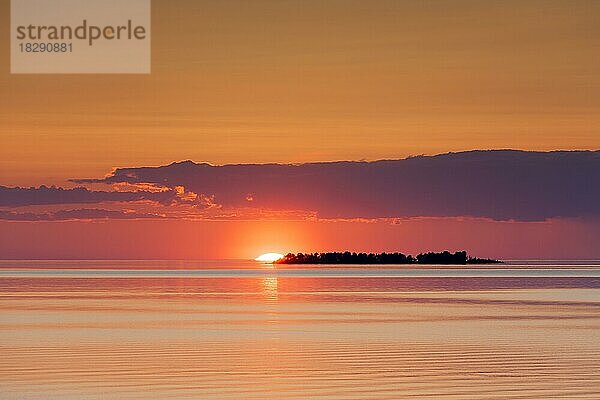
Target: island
[431, 258]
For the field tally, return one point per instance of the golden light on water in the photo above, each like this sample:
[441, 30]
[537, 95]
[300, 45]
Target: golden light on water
[269, 288]
[269, 257]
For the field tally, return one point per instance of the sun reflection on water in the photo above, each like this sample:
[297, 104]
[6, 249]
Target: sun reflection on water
[269, 288]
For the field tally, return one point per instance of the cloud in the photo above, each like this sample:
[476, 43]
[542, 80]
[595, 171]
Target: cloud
[77, 214]
[19, 197]
[498, 184]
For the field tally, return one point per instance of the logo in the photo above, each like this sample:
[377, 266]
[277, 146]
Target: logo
[80, 36]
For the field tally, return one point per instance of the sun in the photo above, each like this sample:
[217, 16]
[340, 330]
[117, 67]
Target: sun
[269, 257]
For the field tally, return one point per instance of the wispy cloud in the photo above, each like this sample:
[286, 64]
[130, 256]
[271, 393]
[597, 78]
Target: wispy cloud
[43, 195]
[77, 214]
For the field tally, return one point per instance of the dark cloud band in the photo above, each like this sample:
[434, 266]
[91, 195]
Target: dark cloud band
[500, 185]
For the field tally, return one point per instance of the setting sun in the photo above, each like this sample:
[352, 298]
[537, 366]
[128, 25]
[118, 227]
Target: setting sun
[269, 257]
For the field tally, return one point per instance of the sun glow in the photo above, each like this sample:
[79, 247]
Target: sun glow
[269, 257]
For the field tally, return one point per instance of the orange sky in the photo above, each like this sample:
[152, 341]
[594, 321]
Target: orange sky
[247, 239]
[295, 81]
[239, 81]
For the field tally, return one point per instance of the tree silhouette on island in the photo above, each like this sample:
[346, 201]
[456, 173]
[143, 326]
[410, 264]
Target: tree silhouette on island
[445, 257]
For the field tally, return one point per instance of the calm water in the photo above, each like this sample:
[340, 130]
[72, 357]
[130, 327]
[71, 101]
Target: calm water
[214, 329]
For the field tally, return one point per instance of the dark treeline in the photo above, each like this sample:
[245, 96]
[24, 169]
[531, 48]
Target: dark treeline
[445, 257]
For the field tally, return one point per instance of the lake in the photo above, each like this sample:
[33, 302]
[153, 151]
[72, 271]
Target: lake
[239, 329]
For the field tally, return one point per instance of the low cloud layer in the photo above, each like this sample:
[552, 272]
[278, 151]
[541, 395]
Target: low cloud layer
[19, 197]
[77, 214]
[499, 185]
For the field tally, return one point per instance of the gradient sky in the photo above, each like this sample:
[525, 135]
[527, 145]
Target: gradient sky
[301, 81]
[259, 81]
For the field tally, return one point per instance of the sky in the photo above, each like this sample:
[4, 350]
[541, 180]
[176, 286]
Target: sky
[238, 82]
